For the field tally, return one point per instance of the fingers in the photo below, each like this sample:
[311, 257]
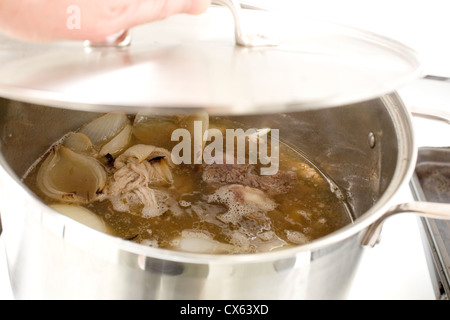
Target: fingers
[49, 20]
[144, 11]
[198, 6]
[118, 15]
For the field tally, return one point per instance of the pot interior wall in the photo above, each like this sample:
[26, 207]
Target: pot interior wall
[354, 145]
[336, 140]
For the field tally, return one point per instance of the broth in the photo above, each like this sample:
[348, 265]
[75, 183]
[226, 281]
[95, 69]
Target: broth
[206, 208]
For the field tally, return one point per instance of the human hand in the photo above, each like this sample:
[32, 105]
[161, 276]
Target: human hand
[94, 20]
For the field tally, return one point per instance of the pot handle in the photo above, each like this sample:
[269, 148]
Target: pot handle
[123, 38]
[437, 115]
[430, 210]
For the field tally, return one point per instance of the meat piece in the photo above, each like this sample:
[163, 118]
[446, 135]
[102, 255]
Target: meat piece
[252, 197]
[141, 165]
[148, 201]
[297, 237]
[245, 174]
[242, 201]
[138, 170]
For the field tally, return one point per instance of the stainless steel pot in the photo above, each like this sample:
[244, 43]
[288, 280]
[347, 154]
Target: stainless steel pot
[366, 147]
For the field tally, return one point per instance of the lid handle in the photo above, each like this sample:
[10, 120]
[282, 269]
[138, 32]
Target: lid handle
[243, 39]
[123, 38]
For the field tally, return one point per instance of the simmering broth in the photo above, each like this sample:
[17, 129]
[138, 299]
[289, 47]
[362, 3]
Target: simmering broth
[122, 170]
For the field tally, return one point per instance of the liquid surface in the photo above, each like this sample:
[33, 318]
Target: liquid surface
[217, 208]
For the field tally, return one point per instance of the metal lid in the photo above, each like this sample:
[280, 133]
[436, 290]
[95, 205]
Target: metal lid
[195, 62]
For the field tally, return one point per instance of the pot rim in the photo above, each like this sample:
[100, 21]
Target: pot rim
[407, 155]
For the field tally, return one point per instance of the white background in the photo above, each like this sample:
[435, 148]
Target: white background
[421, 24]
[396, 268]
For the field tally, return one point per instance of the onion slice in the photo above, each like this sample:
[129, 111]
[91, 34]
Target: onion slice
[83, 216]
[118, 143]
[79, 142]
[203, 245]
[71, 177]
[103, 129]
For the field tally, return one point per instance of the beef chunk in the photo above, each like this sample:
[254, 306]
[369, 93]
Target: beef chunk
[245, 174]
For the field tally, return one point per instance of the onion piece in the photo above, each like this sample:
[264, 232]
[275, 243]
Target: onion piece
[79, 142]
[189, 122]
[156, 130]
[71, 177]
[83, 216]
[203, 245]
[141, 153]
[103, 129]
[141, 165]
[118, 143]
